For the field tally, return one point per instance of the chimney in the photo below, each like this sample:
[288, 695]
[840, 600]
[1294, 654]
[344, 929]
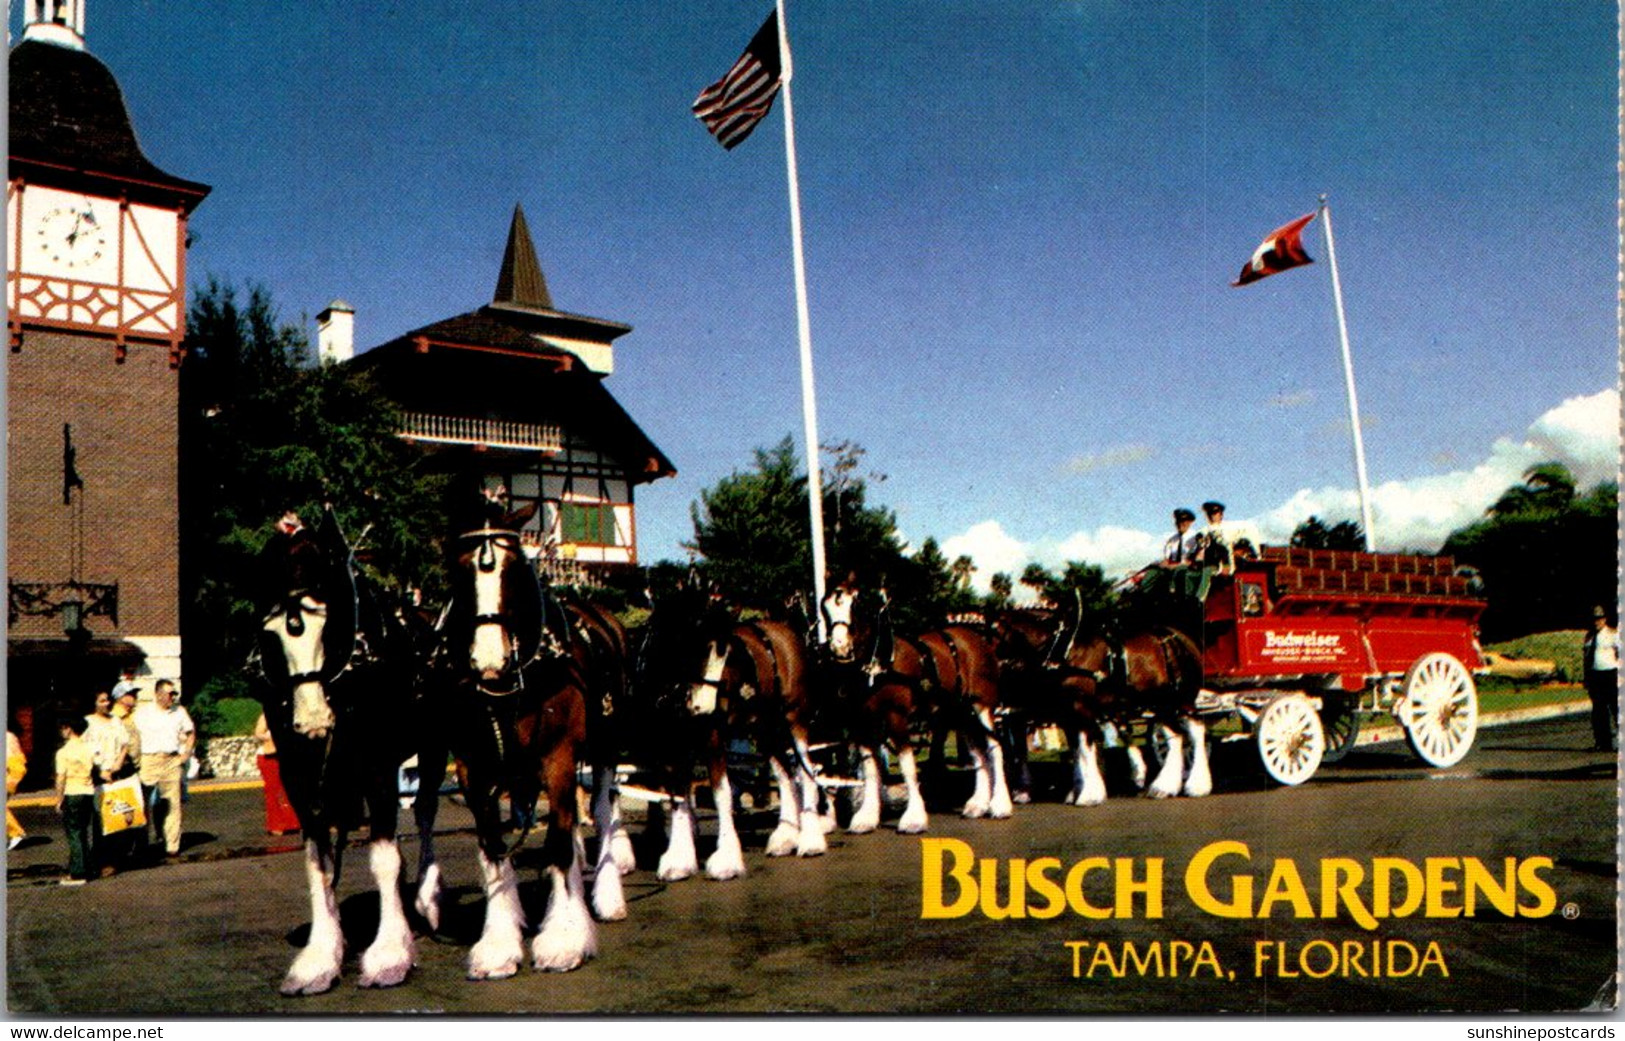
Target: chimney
[335, 333]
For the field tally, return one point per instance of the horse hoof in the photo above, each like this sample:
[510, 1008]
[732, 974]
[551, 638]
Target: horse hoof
[1022, 798]
[782, 842]
[295, 986]
[493, 972]
[389, 976]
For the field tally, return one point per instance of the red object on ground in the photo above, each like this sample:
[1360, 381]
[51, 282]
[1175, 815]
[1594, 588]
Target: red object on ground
[279, 816]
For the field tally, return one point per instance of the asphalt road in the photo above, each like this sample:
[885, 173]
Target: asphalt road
[211, 935]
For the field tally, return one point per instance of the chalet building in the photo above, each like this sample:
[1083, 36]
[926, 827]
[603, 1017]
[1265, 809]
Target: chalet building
[514, 393]
[96, 298]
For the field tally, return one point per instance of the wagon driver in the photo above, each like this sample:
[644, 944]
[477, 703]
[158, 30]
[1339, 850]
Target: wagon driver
[1180, 548]
[1215, 544]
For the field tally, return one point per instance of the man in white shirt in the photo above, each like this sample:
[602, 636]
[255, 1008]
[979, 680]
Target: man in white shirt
[1601, 657]
[167, 738]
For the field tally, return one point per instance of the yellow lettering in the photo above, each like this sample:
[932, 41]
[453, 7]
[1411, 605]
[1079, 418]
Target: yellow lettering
[1340, 879]
[1438, 886]
[1207, 957]
[1354, 957]
[932, 852]
[1043, 886]
[1017, 905]
[1077, 947]
[1383, 870]
[1304, 960]
[1395, 948]
[1150, 888]
[1537, 887]
[1241, 886]
[1435, 957]
[1103, 954]
[1286, 885]
[1261, 955]
[1074, 887]
[1153, 957]
[1502, 895]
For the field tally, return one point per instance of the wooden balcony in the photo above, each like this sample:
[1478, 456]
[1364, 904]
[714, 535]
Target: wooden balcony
[489, 433]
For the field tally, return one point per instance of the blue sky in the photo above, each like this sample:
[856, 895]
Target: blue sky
[1021, 222]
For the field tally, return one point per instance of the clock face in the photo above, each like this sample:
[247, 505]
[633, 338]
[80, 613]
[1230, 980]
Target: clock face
[73, 236]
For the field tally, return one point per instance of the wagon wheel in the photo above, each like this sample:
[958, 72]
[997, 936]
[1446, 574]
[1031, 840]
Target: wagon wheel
[1340, 719]
[1438, 707]
[1290, 740]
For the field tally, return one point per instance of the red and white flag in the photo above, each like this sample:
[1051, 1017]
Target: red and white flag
[1281, 249]
[731, 107]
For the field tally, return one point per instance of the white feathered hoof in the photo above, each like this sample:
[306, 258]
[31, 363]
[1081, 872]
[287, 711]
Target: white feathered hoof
[676, 865]
[976, 809]
[387, 962]
[1001, 807]
[620, 848]
[914, 820]
[608, 896]
[727, 863]
[782, 842]
[1022, 798]
[567, 938]
[315, 971]
[427, 900]
[496, 957]
[810, 842]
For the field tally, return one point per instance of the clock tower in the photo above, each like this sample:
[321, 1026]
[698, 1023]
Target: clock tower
[96, 313]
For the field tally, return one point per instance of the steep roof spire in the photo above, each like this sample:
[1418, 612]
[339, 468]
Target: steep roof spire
[521, 280]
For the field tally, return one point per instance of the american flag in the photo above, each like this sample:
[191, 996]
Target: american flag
[731, 107]
[1280, 250]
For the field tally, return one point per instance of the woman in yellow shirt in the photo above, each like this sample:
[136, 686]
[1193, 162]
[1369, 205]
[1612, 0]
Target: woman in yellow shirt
[76, 797]
[16, 767]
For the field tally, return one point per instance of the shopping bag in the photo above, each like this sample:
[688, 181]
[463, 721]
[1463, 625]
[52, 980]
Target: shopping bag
[122, 806]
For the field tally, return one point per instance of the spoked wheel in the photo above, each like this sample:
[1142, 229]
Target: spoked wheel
[1340, 719]
[1438, 707]
[1291, 743]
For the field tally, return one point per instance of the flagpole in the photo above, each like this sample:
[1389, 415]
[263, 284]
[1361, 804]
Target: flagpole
[809, 401]
[1348, 379]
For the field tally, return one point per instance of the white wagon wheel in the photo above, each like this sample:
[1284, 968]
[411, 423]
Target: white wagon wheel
[1290, 739]
[1438, 707]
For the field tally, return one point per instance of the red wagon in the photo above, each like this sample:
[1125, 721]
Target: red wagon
[1300, 644]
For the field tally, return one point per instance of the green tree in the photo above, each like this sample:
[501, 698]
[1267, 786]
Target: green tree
[263, 430]
[1315, 534]
[1547, 553]
[752, 533]
[1001, 590]
[1078, 586]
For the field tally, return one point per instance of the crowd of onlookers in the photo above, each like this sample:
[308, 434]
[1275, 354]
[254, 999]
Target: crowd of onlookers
[120, 770]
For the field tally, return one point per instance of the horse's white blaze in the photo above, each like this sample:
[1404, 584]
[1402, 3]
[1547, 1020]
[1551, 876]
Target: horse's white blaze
[317, 967]
[1199, 781]
[702, 696]
[1171, 776]
[427, 900]
[391, 955]
[866, 817]
[489, 652]
[999, 807]
[782, 842]
[680, 860]
[914, 819]
[728, 861]
[838, 616]
[500, 948]
[1091, 790]
[303, 653]
[568, 936]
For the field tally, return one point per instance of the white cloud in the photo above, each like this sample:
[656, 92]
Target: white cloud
[1582, 433]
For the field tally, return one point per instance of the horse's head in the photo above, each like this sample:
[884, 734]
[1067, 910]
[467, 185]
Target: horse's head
[309, 628]
[497, 598]
[687, 646]
[852, 620]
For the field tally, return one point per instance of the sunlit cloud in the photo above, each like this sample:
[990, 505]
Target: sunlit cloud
[1418, 513]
